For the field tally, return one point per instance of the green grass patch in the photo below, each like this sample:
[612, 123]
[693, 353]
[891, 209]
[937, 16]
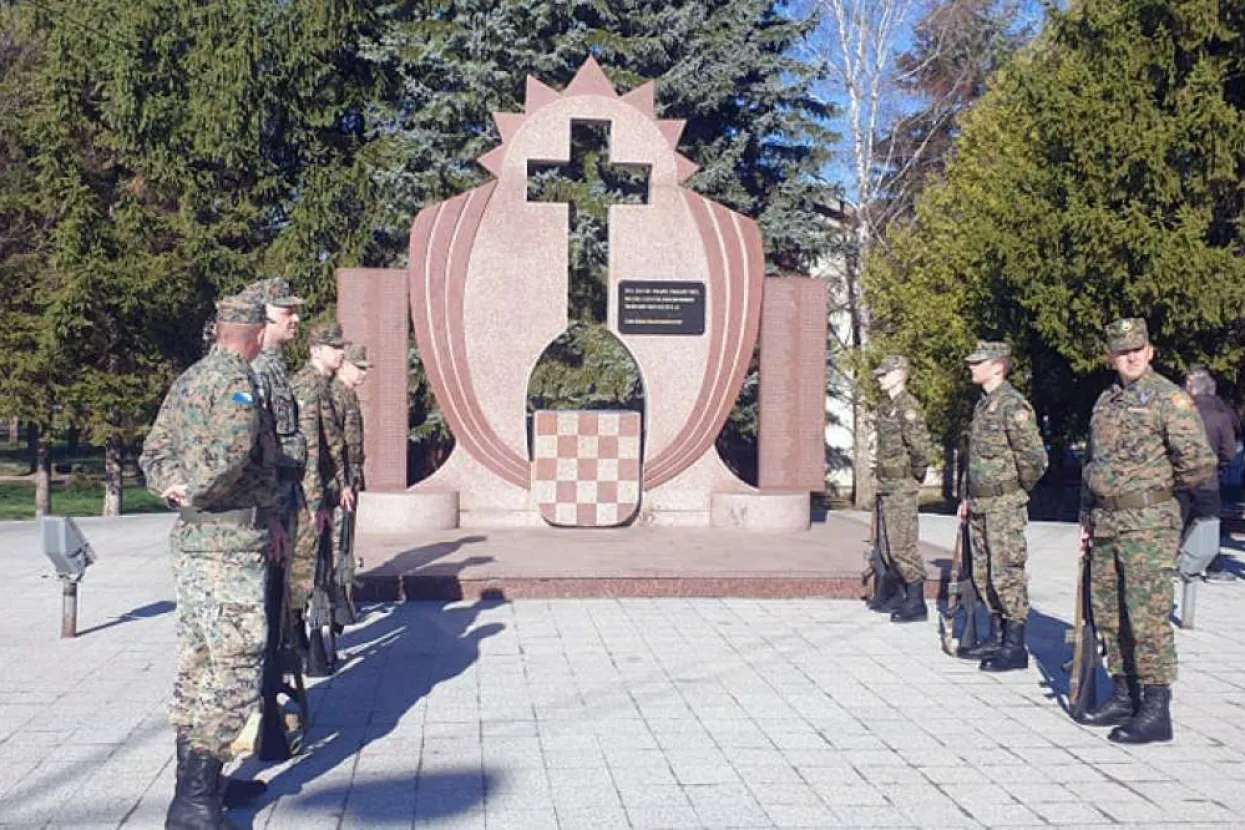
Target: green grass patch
[17, 500]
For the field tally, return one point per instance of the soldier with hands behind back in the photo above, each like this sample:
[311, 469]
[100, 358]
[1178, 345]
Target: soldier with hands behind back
[212, 456]
[903, 455]
[1006, 459]
[1146, 441]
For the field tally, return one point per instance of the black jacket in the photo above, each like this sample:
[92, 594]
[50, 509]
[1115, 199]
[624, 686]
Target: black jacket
[1221, 426]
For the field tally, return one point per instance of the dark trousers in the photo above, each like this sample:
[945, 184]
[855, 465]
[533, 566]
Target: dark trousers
[1203, 503]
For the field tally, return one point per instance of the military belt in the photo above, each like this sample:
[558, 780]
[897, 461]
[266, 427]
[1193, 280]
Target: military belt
[243, 517]
[1137, 500]
[979, 490]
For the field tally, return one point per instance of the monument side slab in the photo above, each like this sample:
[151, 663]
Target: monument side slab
[372, 310]
[791, 399]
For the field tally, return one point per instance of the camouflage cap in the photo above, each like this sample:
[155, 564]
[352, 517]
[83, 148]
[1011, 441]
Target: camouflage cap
[240, 310]
[356, 353]
[274, 291]
[326, 334]
[890, 363]
[989, 350]
[1127, 334]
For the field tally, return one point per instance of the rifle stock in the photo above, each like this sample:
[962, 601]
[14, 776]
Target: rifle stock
[276, 743]
[880, 577]
[1083, 670]
[961, 595]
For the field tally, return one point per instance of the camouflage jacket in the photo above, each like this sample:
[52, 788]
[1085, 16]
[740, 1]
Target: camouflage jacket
[1145, 437]
[272, 378]
[324, 476]
[346, 404]
[904, 449]
[1005, 451]
[212, 437]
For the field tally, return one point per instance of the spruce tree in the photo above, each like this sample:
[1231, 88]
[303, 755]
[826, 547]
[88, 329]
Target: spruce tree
[1099, 178]
[728, 67]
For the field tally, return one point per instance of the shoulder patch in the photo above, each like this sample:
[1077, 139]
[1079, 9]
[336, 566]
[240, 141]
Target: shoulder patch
[243, 398]
[1181, 401]
[1021, 416]
[909, 414]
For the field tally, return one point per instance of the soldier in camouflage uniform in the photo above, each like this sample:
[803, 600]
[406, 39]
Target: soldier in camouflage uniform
[212, 456]
[273, 379]
[348, 379]
[1146, 440]
[325, 484]
[1006, 459]
[904, 454]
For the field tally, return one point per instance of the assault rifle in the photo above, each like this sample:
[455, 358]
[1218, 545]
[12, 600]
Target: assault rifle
[1086, 657]
[320, 660]
[880, 578]
[344, 611]
[961, 594]
[282, 676]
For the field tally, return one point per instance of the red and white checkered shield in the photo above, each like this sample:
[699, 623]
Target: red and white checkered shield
[586, 467]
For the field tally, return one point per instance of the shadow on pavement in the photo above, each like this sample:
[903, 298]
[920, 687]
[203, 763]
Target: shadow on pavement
[393, 660]
[143, 612]
[1049, 647]
[415, 574]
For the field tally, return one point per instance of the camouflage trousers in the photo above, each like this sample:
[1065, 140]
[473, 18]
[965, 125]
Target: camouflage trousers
[221, 632]
[999, 556]
[900, 524]
[1131, 590]
[303, 555]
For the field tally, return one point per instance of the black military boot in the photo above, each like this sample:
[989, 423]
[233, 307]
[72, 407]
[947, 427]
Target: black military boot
[1153, 721]
[1012, 654]
[234, 792]
[196, 801]
[984, 648]
[1119, 708]
[913, 608]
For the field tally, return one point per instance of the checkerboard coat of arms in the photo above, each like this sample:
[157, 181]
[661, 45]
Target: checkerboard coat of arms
[488, 293]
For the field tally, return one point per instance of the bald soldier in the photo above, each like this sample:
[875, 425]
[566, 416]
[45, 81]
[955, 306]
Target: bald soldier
[904, 454]
[1006, 459]
[1146, 441]
[211, 455]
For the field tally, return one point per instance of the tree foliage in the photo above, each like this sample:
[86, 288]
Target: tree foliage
[729, 67]
[1101, 177]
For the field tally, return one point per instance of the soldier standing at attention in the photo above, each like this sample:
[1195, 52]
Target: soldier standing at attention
[903, 456]
[272, 376]
[325, 486]
[1146, 440]
[344, 386]
[212, 456]
[1006, 459]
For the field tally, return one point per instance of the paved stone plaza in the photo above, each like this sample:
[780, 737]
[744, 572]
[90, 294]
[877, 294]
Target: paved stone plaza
[667, 713]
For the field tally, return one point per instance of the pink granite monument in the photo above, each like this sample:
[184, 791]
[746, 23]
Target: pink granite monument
[488, 287]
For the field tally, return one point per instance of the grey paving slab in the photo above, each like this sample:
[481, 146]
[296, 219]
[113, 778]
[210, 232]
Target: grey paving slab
[630, 713]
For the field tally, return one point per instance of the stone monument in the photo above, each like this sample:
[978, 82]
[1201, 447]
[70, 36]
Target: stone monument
[488, 287]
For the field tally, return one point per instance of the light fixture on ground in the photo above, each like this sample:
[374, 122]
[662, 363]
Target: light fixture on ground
[71, 554]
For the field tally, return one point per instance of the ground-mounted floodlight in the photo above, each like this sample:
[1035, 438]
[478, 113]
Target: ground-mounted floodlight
[1198, 549]
[71, 554]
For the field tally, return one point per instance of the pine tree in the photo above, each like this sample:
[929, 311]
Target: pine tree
[1099, 178]
[175, 152]
[728, 67]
